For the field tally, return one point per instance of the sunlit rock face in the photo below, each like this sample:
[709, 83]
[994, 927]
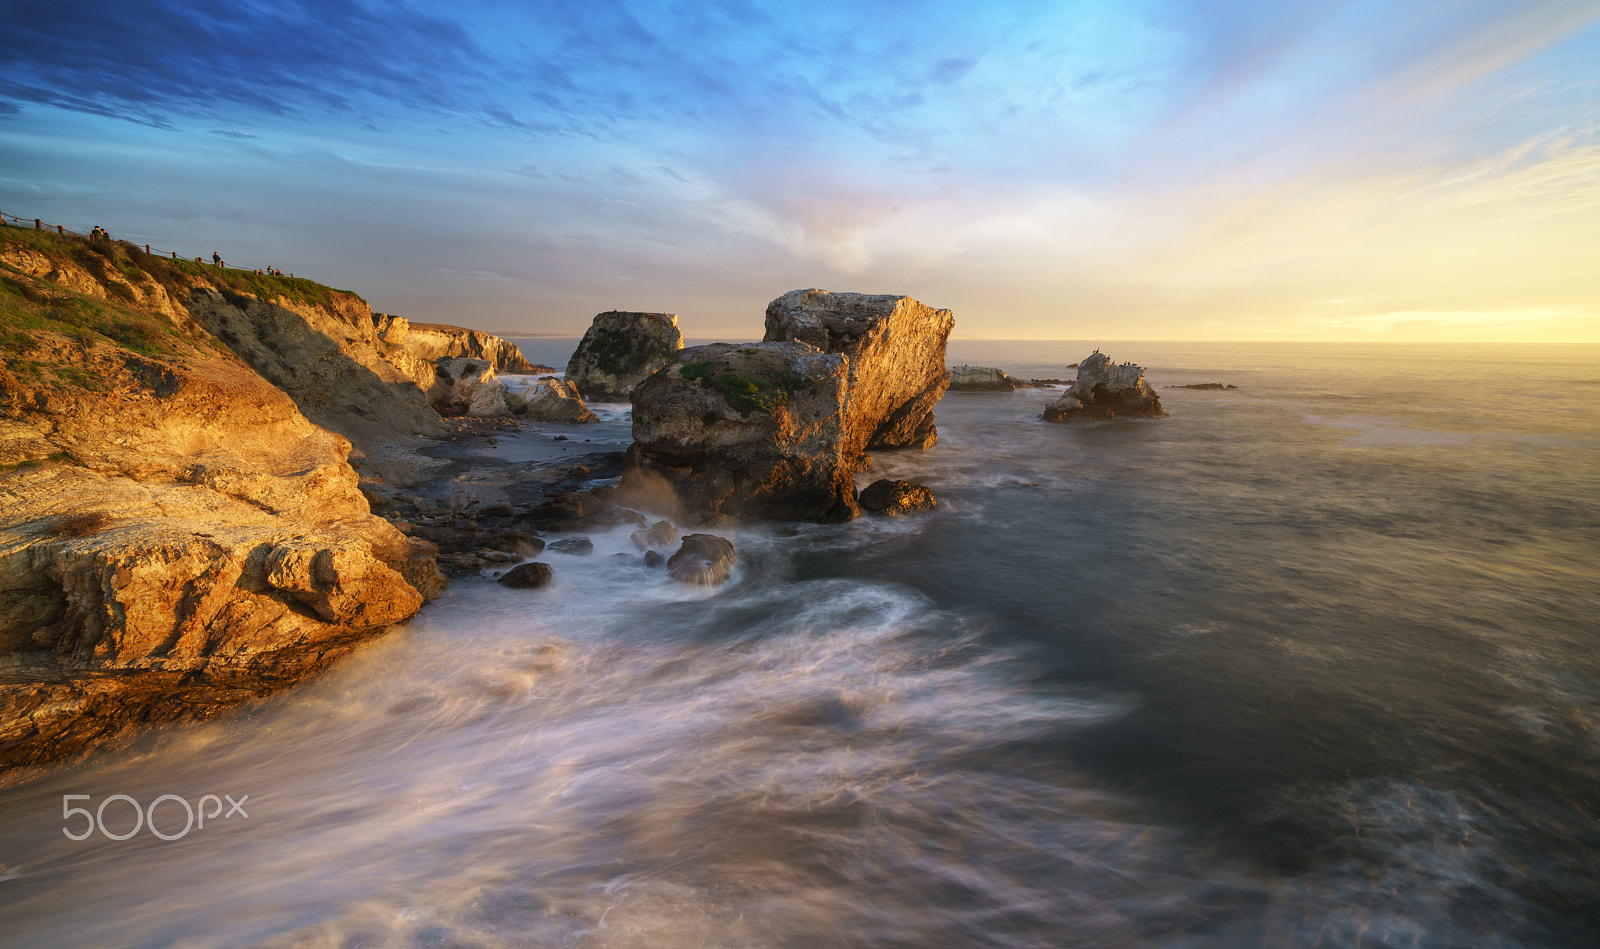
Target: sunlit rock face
[175, 534]
[896, 349]
[750, 431]
[468, 387]
[1106, 390]
[621, 350]
[553, 400]
[431, 342]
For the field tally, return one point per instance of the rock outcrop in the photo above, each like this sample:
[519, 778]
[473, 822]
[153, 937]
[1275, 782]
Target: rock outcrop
[467, 387]
[326, 356]
[175, 534]
[755, 431]
[1106, 390]
[621, 350]
[966, 378]
[895, 347]
[430, 342]
[552, 400]
[896, 498]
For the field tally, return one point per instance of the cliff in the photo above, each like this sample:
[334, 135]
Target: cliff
[176, 531]
[430, 342]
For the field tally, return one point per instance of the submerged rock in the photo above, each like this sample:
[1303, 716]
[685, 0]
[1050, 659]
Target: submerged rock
[621, 350]
[895, 347]
[1209, 386]
[704, 559]
[749, 431]
[896, 498]
[1105, 390]
[553, 400]
[527, 576]
[574, 546]
[966, 378]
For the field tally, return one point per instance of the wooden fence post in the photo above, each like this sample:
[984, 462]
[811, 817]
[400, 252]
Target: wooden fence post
[37, 225]
[61, 230]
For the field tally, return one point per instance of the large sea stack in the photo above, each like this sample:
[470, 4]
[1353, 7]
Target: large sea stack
[1106, 390]
[750, 431]
[895, 346]
[621, 350]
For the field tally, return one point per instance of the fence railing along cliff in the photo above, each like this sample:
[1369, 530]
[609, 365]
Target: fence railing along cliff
[39, 224]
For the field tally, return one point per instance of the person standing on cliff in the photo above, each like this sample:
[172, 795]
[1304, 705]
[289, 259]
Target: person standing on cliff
[216, 259]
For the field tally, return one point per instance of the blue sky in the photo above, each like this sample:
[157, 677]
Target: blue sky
[1243, 170]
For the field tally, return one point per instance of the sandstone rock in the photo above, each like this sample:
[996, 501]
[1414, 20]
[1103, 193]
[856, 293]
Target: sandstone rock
[704, 559]
[468, 387]
[895, 348]
[430, 342]
[182, 537]
[1105, 390]
[326, 356]
[572, 546]
[527, 576]
[966, 378]
[896, 498]
[659, 534]
[653, 558]
[621, 350]
[749, 431]
[553, 400]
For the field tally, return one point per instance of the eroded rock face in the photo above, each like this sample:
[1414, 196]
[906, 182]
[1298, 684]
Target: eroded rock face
[895, 347]
[966, 378]
[326, 357]
[431, 342]
[620, 350]
[468, 387]
[178, 535]
[1105, 390]
[750, 431]
[553, 400]
[896, 498]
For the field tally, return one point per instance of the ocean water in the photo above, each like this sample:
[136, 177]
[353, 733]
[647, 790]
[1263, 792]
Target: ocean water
[1313, 662]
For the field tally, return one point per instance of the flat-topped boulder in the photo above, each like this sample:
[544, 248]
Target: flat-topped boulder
[895, 347]
[964, 378]
[750, 431]
[1105, 390]
[620, 350]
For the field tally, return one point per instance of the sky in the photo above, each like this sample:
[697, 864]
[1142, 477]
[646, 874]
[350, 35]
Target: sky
[1171, 169]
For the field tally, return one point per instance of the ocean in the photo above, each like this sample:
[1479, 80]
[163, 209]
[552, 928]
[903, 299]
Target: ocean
[1311, 662]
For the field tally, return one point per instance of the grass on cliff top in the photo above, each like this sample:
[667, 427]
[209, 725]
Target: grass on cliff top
[28, 304]
[765, 393]
[133, 264]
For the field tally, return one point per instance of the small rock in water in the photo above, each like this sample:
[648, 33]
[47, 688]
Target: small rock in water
[660, 534]
[704, 559]
[575, 546]
[527, 576]
[559, 438]
[1216, 386]
[653, 558]
[515, 542]
[896, 498]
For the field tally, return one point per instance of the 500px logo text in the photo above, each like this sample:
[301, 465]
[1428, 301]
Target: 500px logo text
[146, 816]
